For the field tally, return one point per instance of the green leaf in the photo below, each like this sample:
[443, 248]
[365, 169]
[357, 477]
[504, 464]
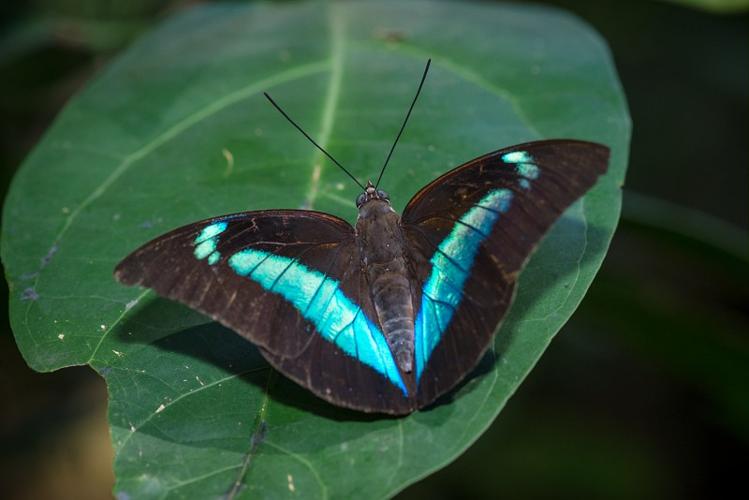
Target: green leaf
[176, 129]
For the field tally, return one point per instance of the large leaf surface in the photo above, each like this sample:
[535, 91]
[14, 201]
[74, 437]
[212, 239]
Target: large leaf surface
[177, 129]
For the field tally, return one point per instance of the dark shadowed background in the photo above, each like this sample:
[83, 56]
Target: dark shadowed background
[643, 395]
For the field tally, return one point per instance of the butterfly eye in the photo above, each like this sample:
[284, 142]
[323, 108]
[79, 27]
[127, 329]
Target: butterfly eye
[383, 195]
[360, 199]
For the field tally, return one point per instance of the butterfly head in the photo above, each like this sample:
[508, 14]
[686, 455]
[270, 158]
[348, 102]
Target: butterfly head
[372, 193]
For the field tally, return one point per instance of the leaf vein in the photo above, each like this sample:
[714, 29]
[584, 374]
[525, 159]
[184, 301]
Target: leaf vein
[307, 463]
[181, 397]
[255, 439]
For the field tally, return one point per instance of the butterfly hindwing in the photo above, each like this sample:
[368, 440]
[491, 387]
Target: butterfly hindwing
[289, 281]
[470, 232]
[344, 379]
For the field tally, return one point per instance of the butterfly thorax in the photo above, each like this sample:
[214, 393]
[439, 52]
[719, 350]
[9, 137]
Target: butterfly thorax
[382, 249]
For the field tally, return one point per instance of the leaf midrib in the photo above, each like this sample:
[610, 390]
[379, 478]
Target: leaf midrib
[330, 106]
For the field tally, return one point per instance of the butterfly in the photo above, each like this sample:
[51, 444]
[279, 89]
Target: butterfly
[387, 315]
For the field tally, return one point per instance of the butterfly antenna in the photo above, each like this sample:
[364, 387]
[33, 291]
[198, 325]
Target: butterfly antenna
[418, 91]
[310, 139]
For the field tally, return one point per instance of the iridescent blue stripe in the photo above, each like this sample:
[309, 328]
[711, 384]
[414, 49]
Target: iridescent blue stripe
[451, 266]
[320, 300]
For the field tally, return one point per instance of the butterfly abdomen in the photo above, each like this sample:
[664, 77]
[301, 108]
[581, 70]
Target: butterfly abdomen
[382, 249]
[392, 299]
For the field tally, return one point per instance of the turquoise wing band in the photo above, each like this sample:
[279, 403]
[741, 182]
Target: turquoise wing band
[453, 260]
[321, 301]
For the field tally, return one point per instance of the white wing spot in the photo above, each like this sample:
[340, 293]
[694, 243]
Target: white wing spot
[160, 408]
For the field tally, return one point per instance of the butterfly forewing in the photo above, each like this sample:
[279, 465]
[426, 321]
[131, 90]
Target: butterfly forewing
[470, 232]
[290, 282]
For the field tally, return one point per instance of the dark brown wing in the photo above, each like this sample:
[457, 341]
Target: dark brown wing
[290, 281]
[471, 231]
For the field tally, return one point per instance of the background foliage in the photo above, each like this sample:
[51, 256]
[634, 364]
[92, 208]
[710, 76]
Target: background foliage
[651, 401]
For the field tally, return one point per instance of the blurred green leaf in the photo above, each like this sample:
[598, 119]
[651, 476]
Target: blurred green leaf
[719, 6]
[691, 227]
[98, 36]
[675, 290]
[100, 9]
[176, 130]
[99, 27]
